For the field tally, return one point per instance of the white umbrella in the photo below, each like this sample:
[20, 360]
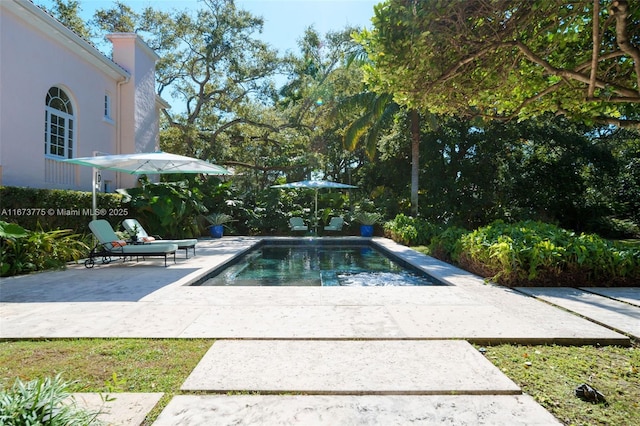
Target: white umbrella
[315, 185]
[146, 163]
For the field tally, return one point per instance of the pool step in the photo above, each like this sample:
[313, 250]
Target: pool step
[329, 279]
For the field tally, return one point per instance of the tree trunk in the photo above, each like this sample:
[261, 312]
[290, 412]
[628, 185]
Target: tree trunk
[415, 159]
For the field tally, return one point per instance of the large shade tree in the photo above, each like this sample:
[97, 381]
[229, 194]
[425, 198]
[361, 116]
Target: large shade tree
[213, 66]
[510, 59]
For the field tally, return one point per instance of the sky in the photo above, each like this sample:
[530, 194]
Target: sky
[284, 20]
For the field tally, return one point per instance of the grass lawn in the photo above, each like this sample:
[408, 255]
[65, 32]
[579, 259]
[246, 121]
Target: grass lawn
[548, 373]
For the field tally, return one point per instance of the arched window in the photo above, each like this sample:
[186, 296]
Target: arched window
[59, 128]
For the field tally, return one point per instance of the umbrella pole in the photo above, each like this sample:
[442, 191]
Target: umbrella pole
[315, 223]
[94, 199]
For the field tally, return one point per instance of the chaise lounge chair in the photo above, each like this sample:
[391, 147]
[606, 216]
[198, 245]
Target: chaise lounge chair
[335, 224]
[133, 227]
[109, 245]
[297, 224]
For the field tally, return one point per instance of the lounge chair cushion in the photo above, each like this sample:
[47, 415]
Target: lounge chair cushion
[297, 224]
[335, 224]
[106, 237]
[132, 224]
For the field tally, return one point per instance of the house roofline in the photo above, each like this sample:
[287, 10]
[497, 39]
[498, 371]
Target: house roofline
[162, 103]
[34, 15]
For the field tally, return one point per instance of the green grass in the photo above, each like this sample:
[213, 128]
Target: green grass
[547, 373]
[106, 366]
[551, 373]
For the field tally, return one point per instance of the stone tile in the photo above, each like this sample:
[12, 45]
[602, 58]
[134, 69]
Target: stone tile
[314, 322]
[122, 409]
[348, 367]
[477, 323]
[159, 320]
[330, 410]
[629, 295]
[612, 313]
[62, 320]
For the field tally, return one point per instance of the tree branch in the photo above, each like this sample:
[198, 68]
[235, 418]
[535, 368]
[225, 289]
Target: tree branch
[620, 10]
[571, 75]
[596, 47]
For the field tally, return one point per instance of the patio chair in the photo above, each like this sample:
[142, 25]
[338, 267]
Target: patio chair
[110, 245]
[335, 224]
[133, 227]
[297, 224]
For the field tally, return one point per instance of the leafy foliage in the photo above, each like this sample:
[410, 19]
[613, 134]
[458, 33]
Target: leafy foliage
[51, 209]
[44, 401]
[169, 209]
[411, 231]
[23, 251]
[535, 253]
[525, 253]
[367, 218]
[507, 59]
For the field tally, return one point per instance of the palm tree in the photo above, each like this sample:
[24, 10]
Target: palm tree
[377, 112]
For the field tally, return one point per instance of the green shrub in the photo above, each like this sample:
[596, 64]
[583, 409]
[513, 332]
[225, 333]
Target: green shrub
[169, 209]
[536, 253]
[31, 251]
[411, 231]
[447, 245]
[43, 402]
[51, 209]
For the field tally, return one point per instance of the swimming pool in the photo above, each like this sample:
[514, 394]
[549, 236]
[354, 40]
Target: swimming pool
[317, 265]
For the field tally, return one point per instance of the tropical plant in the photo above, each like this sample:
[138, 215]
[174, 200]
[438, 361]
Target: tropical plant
[446, 245]
[24, 251]
[536, 253]
[216, 219]
[367, 218]
[411, 231]
[43, 402]
[166, 208]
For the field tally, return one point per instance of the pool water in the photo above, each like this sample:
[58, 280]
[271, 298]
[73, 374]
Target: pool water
[321, 265]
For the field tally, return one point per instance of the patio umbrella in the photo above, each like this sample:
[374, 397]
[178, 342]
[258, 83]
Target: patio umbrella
[315, 185]
[146, 163]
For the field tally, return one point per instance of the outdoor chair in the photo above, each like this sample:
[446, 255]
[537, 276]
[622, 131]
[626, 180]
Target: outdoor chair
[297, 224]
[335, 224]
[110, 245]
[138, 234]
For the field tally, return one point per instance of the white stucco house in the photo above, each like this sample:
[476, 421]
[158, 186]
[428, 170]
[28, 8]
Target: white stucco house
[62, 98]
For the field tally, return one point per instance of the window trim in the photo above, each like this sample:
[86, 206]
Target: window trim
[68, 128]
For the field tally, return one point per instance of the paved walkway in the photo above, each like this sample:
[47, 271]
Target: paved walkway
[357, 355]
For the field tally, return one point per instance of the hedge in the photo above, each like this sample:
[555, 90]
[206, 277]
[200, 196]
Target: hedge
[51, 209]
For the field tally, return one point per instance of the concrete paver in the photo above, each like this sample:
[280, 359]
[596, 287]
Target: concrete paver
[618, 315]
[630, 295]
[119, 409]
[419, 367]
[330, 410]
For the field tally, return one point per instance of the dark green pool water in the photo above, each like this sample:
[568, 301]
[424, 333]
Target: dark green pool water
[322, 265]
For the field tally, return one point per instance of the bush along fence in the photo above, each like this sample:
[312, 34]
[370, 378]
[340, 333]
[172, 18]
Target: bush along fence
[526, 253]
[52, 209]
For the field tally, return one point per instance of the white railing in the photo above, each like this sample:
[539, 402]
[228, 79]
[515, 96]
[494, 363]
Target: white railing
[59, 173]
